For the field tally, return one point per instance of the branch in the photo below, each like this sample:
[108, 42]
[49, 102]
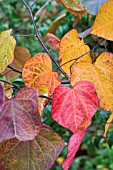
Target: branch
[14, 69]
[46, 97]
[5, 81]
[33, 3]
[40, 40]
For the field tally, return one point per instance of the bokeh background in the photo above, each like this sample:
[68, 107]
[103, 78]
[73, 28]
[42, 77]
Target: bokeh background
[95, 152]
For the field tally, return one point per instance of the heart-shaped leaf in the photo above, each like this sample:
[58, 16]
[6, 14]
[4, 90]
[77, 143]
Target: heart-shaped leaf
[20, 117]
[37, 71]
[7, 45]
[71, 105]
[39, 153]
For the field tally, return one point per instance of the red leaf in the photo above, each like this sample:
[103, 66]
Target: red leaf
[39, 153]
[71, 105]
[20, 117]
[2, 97]
[73, 146]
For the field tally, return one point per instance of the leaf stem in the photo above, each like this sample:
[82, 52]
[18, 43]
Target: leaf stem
[14, 69]
[40, 40]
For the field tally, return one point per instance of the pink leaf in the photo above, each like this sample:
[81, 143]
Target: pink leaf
[71, 105]
[73, 147]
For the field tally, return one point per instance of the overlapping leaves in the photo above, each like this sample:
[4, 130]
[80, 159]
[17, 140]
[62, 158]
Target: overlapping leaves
[100, 74]
[73, 108]
[37, 71]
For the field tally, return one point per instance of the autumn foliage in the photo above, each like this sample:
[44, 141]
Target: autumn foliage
[25, 142]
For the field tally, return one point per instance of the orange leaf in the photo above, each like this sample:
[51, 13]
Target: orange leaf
[37, 71]
[100, 74]
[103, 25]
[71, 47]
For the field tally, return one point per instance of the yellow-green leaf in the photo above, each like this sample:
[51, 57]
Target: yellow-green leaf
[7, 45]
[103, 25]
[74, 7]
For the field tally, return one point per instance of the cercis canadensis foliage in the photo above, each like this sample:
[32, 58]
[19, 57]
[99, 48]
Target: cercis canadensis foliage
[25, 142]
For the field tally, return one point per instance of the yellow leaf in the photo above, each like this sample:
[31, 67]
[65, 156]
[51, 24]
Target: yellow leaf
[74, 7]
[71, 47]
[100, 74]
[7, 45]
[108, 124]
[103, 25]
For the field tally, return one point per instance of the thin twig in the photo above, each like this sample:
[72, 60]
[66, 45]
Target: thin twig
[5, 81]
[46, 97]
[33, 3]
[37, 13]
[14, 69]
[24, 35]
[40, 40]
[95, 127]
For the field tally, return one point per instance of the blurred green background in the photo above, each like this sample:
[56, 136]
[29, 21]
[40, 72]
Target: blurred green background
[96, 152]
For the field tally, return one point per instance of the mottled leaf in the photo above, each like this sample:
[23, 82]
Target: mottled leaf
[71, 47]
[74, 7]
[73, 147]
[20, 117]
[37, 71]
[7, 45]
[100, 74]
[53, 40]
[92, 5]
[2, 97]
[38, 154]
[103, 25]
[71, 105]
[21, 55]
